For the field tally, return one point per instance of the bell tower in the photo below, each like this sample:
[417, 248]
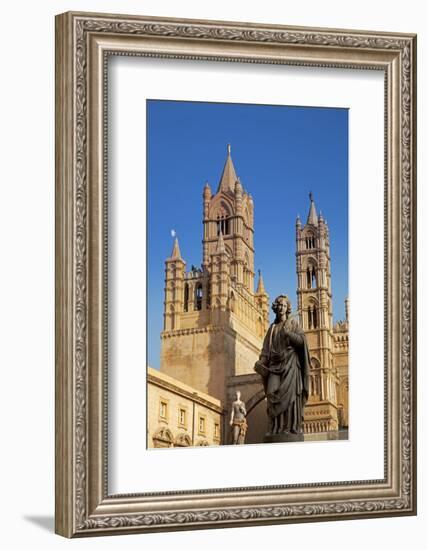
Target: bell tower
[214, 321]
[230, 213]
[314, 272]
[314, 298]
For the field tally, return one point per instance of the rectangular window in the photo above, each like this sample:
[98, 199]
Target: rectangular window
[216, 431]
[163, 412]
[202, 424]
[182, 417]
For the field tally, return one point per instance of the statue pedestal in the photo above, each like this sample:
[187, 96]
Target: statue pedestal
[283, 438]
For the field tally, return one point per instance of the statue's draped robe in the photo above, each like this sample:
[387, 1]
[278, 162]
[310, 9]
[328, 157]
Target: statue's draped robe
[285, 370]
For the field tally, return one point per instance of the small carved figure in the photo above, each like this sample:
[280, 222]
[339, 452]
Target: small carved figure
[238, 422]
[284, 366]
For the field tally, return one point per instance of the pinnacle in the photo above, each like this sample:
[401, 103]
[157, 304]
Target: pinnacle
[312, 214]
[228, 177]
[261, 288]
[220, 247]
[176, 253]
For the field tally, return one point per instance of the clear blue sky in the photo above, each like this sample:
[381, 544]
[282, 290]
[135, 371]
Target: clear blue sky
[280, 154]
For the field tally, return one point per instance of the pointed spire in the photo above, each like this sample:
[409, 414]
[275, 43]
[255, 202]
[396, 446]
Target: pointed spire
[228, 177]
[261, 288]
[312, 214]
[207, 190]
[220, 247]
[176, 253]
[298, 221]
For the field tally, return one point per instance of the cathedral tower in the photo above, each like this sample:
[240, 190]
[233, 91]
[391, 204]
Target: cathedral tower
[214, 321]
[314, 297]
[230, 212]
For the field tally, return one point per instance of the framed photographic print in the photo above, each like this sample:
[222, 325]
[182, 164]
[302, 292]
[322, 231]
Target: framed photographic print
[235, 274]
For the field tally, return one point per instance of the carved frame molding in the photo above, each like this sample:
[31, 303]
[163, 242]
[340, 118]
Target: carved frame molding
[83, 43]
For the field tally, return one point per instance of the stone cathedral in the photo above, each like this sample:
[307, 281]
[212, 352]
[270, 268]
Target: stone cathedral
[215, 320]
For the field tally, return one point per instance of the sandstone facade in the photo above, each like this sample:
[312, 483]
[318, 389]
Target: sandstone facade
[179, 416]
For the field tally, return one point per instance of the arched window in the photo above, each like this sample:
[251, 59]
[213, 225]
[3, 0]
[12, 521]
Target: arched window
[311, 276]
[223, 221]
[310, 241]
[313, 317]
[186, 296]
[198, 296]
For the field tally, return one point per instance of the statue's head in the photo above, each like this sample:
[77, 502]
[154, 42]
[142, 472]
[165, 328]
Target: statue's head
[238, 395]
[282, 306]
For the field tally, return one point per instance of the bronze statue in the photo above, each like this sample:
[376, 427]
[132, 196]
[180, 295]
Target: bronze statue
[284, 366]
[238, 421]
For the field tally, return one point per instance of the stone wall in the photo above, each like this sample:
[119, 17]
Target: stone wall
[180, 416]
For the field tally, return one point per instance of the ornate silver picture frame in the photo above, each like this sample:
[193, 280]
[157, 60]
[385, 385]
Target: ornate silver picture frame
[84, 505]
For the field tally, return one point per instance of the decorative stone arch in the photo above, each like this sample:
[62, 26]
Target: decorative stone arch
[311, 301]
[309, 239]
[202, 443]
[310, 268]
[257, 418]
[220, 204]
[309, 260]
[163, 438]
[254, 400]
[315, 363]
[182, 440]
[222, 213]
